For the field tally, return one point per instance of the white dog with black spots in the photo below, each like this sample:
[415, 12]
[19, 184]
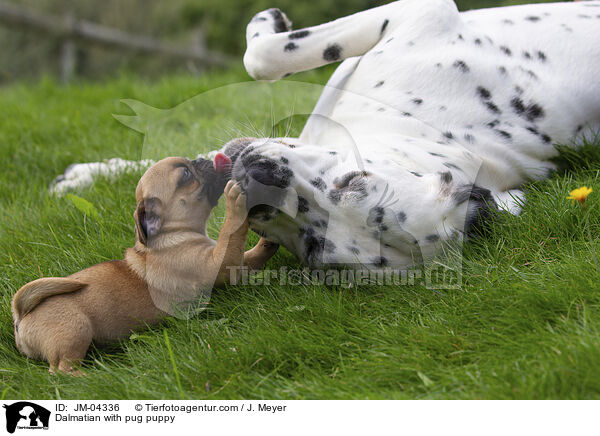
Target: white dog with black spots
[433, 118]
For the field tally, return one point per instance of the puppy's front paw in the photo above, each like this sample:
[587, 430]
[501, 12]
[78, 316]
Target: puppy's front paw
[235, 202]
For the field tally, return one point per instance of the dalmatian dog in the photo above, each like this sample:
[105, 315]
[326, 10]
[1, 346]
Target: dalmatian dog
[433, 118]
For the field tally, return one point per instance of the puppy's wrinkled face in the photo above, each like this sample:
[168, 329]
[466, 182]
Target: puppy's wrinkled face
[178, 194]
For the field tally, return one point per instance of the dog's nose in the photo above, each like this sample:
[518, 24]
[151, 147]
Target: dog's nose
[204, 167]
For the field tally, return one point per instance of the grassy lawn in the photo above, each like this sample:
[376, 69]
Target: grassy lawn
[525, 323]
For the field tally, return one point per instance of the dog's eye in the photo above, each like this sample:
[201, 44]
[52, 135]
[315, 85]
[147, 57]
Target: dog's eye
[186, 177]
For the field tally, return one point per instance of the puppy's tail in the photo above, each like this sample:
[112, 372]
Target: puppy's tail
[33, 293]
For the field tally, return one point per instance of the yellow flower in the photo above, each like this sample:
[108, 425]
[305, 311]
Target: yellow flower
[579, 194]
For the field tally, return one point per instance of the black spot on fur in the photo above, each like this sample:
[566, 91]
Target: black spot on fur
[384, 25]
[256, 35]
[284, 160]
[484, 93]
[436, 154]
[493, 124]
[432, 238]
[380, 261]
[332, 53]
[401, 217]
[446, 177]
[477, 41]
[320, 223]
[469, 138]
[299, 34]
[541, 56]
[414, 173]
[547, 139]
[451, 165]
[530, 112]
[302, 204]
[507, 51]
[290, 46]
[509, 22]
[462, 66]
[417, 100]
[502, 70]
[504, 134]
[375, 216]
[448, 135]
[319, 183]
[315, 245]
[492, 107]
[526, 55]
[279, 23]
[354, 250]
[517, 104]
[481, 204]
[533, 18]
[378, 84]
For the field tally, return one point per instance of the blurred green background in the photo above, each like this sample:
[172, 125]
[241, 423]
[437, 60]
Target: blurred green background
[216, 24]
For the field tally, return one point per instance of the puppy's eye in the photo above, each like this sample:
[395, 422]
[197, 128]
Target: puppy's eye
[186, 177]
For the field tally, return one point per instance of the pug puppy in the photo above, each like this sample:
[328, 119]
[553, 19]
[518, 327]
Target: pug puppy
[173, 260]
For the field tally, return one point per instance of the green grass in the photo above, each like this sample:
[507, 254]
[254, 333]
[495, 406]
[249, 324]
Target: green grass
[524, 324]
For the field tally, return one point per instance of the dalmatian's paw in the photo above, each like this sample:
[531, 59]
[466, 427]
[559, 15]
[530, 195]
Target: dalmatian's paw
[81, 175]
[511, 201]
[268, 22]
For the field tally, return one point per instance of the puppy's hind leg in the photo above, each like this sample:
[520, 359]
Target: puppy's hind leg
[257, 257]
[65, 343]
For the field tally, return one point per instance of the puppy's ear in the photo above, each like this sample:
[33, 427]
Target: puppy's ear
[140, 218]
[147, 224]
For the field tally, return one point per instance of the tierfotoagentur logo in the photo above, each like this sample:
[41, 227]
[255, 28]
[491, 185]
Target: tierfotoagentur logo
[24, 415]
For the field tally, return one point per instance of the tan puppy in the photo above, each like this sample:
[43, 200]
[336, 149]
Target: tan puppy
[56, 319]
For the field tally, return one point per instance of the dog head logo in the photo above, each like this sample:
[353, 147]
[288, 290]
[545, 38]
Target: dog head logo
[26, 415]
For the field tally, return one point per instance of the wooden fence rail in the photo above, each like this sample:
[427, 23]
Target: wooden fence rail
[72, 30]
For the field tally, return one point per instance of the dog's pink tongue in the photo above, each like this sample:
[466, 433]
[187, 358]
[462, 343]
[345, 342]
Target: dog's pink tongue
[222, 163]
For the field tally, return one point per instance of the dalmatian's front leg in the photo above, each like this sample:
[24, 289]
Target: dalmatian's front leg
[274, 51]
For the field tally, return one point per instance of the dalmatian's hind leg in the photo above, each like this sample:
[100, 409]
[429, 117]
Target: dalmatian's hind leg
[274, 51]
